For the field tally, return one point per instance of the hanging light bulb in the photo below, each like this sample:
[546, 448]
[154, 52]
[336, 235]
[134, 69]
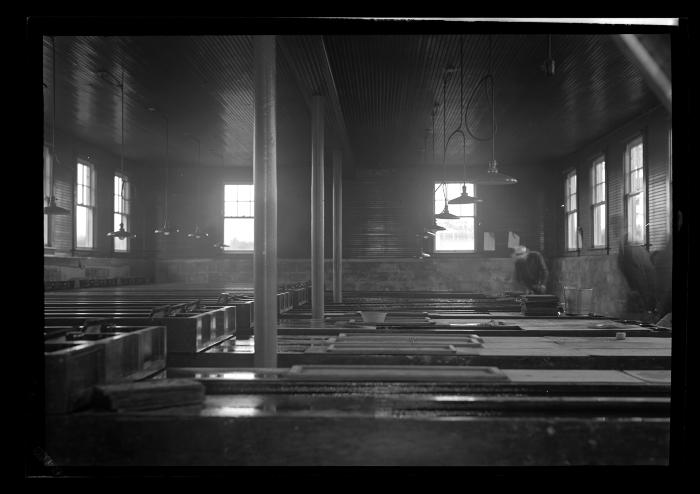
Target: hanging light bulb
[549, 64]
[445, 214]
[492, 175]
[197, 234]
[464, 197]
[435, 228]
[121, 233]
[51, 207]
[167, 229]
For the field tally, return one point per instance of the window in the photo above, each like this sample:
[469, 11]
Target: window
[598, 202]
[459, 235]
[238, 216]
[571, 209]
[634, 192]
[122, 209]
[47, 193]
[84, 206]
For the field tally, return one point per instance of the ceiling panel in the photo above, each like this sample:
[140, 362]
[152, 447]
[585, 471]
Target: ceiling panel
[387, 86]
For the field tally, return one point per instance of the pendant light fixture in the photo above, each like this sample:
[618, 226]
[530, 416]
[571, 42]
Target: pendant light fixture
[197, 234]
[51, 207]
[434, 227]
[445, 214]
[166, 229]
[549, 64]
[464, 198]
[122, 233]
[492, 175]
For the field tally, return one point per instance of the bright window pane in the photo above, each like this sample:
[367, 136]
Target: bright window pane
[571, 225]
[460, 234]
[635, 219]
[121, 244]
[636, 156]
[239, 233]
[238, 216]
[83, 228]
[599, 239]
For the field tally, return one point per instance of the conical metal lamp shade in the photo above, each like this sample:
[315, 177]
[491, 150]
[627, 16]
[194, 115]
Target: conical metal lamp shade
[196, 234]
[446, 215]
[435, 228]
[493, 177]
[121, 233]
[464, 198]
[166, 230]
[53, 209]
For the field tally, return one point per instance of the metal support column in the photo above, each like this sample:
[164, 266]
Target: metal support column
[317, 207]
[265, 180]
[337, 226]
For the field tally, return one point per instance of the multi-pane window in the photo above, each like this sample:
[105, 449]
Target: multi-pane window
[47, 193]
[84, 206]
[598, 202]
[634, 192]
[239, 216]
[459, 235]
[571, 209]
[122, 209]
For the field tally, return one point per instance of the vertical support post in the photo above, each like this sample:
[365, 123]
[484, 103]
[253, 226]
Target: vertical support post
[317, 207]
[265, 185]
[337, 226]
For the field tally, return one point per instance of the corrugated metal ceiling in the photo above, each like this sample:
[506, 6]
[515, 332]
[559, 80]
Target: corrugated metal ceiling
[386, 88]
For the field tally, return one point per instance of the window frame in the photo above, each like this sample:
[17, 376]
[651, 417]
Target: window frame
[126, 185]
[628, 195]
[596, 203]
[470, 186]
[571, 212]
[229, 250]
[92, 207]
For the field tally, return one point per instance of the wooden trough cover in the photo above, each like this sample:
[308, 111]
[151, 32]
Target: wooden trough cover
[424, 373]
[398, 344]
[392, 349]
[408, 338]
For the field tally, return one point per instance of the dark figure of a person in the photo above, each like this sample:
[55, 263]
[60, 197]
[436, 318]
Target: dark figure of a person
[530, 270]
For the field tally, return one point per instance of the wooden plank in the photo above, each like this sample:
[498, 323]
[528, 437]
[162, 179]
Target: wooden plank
[651, 376]
[98, 439]
[569, 376]
[395, 373]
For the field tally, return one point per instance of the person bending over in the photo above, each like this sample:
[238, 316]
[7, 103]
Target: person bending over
[530, 269]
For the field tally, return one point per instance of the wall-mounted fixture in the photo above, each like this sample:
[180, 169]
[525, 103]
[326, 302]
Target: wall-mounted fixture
[122, 233]
[51, 207]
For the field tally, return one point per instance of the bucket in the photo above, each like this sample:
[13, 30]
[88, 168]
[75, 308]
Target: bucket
[578, 301]
[372, 316]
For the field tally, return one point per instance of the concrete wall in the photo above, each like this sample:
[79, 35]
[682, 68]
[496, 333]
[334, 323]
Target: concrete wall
[597, 268]
[491, 276]
[69, 268]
